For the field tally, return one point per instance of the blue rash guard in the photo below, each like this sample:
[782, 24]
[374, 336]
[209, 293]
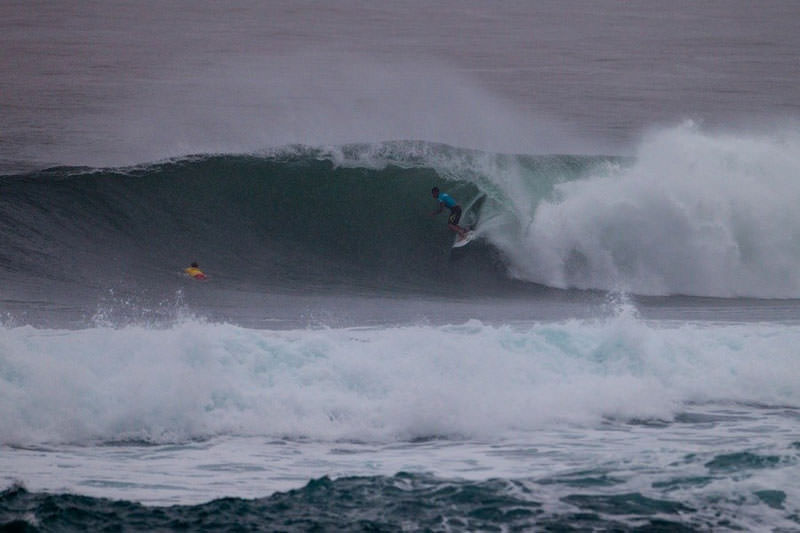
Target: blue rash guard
[445, 199]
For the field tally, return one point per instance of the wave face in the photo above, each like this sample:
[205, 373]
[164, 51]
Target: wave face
[297, 218]
[692, 213]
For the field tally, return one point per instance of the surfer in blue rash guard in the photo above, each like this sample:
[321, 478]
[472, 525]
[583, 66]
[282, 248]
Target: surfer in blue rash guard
[445, 200]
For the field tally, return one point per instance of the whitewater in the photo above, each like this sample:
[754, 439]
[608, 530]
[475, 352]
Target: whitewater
[195, 380]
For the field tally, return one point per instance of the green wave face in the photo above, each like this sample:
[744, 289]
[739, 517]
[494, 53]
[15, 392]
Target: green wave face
[357, 215]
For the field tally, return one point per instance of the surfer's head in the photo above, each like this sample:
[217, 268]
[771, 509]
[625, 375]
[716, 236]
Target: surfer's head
[194, 264]
[435, 192]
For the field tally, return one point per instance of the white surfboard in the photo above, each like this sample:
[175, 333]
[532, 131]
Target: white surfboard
[459, 242]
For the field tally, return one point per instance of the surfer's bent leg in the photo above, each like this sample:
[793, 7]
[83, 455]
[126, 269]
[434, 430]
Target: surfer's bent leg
[452, 221]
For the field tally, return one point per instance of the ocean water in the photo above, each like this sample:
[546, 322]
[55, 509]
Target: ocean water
[617, 350]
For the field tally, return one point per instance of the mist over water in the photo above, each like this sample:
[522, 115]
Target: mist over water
[124, 84]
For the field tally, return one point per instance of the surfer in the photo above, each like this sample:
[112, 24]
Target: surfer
[194, 271]
[445, 200]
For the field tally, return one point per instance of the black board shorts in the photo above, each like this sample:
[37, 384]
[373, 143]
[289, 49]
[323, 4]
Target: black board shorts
[455, 215]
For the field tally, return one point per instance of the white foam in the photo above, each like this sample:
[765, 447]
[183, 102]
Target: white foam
[696, 213]
[194, 380]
